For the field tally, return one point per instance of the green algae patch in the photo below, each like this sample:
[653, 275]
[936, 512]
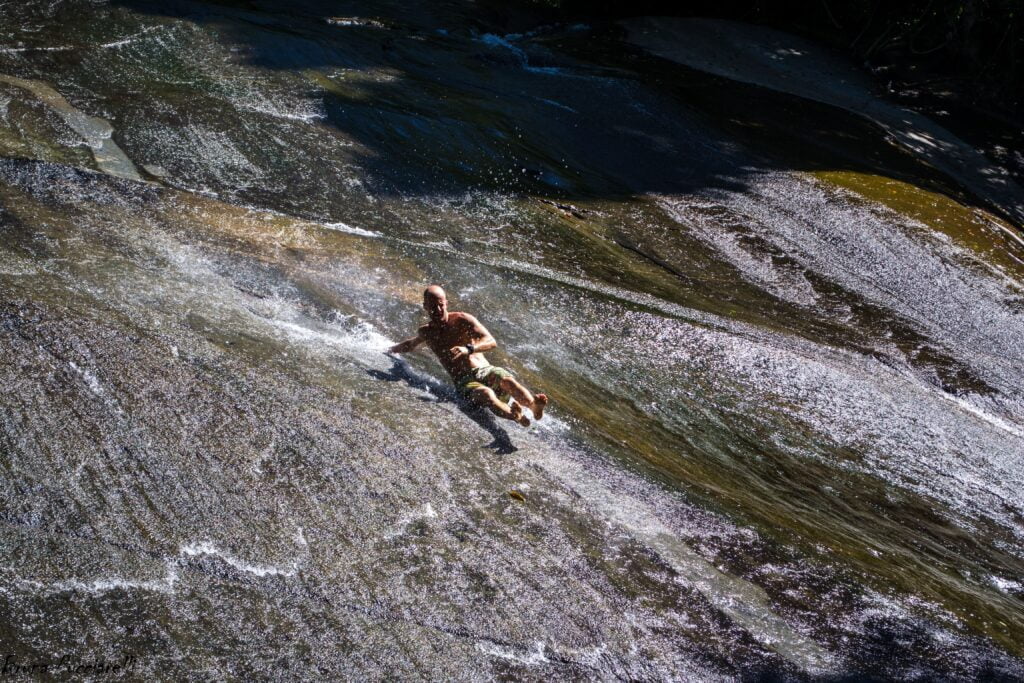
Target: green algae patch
[30, 130]
[351, 84]
[993, 239]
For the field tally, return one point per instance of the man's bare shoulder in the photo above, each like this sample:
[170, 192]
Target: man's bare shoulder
[461, 316]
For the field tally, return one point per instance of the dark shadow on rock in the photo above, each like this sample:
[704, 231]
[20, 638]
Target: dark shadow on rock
[399, 372]
[440, 103]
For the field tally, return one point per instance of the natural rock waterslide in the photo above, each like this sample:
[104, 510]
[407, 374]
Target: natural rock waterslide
[784, 360]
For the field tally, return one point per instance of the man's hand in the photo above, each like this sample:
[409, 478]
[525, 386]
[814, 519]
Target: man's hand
[407, 345]
[458, 352]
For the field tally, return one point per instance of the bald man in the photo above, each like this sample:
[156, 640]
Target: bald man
[459, 340]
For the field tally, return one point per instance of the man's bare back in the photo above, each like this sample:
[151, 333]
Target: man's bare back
[459, 340]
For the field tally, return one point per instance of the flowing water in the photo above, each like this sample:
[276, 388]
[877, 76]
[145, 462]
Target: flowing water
[784, 358]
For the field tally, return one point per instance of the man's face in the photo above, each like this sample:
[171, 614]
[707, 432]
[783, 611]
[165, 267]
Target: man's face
[436, 306]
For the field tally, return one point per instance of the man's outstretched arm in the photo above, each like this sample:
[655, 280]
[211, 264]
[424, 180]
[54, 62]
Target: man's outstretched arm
[407, 345]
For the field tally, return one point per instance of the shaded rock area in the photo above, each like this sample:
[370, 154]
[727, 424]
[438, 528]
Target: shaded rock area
[779, 61]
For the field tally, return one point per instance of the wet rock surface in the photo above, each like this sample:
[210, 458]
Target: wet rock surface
[787, 423]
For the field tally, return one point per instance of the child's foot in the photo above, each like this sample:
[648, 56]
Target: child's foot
[517, 414]
[539, 402]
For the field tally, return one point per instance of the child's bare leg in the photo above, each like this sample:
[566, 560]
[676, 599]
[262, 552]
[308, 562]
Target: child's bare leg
[486, 398]
[535, 402]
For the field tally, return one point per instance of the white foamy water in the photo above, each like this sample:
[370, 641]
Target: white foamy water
[144, 34]
[261, 570]
[259, 101]
[104, 585]
[90, 378]
[943, 290]
[46, 48]
[422, 514]
[528, 657]
[1007, 585]
[351, 229]
[361, 342]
